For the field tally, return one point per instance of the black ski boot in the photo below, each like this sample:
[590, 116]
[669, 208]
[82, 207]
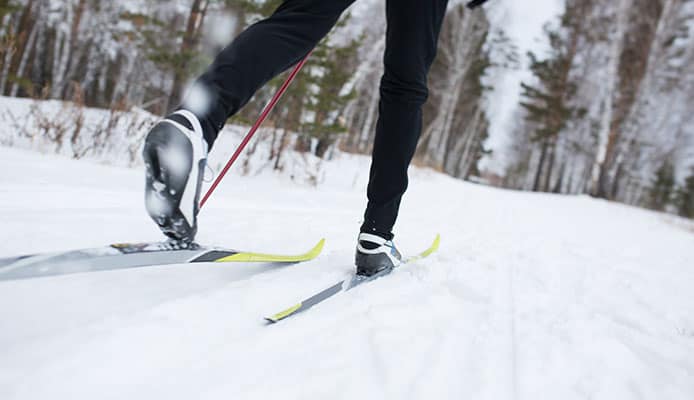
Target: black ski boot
[175, 153]
[375, 255]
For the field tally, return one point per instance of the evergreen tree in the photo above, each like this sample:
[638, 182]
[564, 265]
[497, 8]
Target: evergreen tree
[548, 103]
[330, 70]
[313, 104]
[685, 197]
[545, 103]
[155, 39]
[174, 51]
[7, 7]
[663, 188]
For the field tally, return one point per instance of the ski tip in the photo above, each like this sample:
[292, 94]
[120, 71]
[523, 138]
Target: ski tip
[316, 250]
[426, 253]
[262, 257]
[284, 314]
[434, 247]
[437, 242]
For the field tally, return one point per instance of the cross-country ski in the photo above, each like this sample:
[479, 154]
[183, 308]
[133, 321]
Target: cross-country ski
[132, 255]
[345, 285]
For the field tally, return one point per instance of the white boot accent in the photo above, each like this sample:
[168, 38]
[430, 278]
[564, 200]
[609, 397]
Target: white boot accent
[384, 247]
[199, 145]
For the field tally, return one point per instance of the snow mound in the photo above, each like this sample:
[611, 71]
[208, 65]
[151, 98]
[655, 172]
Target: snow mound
[116, 137]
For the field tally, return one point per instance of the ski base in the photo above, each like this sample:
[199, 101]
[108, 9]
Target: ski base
[133, 255]
[346, 285]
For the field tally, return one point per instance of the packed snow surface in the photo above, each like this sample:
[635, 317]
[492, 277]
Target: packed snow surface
[530, 296]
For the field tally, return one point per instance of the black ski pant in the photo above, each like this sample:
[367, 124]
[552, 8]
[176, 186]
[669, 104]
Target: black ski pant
[273, 45]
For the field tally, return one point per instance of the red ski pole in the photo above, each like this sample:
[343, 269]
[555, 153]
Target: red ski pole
[254, 128]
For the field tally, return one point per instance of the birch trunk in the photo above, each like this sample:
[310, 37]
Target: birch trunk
[369, 124]
[25, 57]
[540, 165]
[436, 134]
[190, 40]
[469, 140]
[61, 56]
[7, 62]
[122, 81]
[362, 81]
[645, 86]
[606, 125]
[10, 50]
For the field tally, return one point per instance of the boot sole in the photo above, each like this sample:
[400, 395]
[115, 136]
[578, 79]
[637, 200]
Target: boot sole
[168, 156]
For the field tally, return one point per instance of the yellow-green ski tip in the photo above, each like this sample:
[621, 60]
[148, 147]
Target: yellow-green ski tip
[434, 246]
[284, 314]
[260, 257]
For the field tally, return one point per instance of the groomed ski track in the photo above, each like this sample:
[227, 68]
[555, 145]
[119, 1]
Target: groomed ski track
[529, 297]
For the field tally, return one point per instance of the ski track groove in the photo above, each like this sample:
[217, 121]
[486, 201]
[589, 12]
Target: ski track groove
[513, 335]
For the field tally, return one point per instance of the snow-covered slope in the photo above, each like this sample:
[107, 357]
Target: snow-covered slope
[531, 296]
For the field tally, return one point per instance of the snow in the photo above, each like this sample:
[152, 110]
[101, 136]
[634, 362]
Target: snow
[531, 296]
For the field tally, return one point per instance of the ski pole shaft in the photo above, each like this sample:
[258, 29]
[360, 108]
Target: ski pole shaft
[254, 128]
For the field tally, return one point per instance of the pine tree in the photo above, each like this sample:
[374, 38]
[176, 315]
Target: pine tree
[545, 103]
[635, 43]
[174, 51]
[313, 104]
[685, 197]
[549, 103]
[7, 7]
[331, 69]
[663, 188]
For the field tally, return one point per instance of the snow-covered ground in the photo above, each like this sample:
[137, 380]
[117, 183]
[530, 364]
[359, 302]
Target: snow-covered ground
[530, 297]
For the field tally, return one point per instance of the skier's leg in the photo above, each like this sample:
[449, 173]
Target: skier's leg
[175, 149]
[412, 35]
[257, 55]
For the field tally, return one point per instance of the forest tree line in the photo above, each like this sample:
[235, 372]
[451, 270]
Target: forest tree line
[607, 111]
